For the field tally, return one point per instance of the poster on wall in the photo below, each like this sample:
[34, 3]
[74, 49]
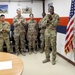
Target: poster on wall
[50, 4]
[3, 8]
[27, 10]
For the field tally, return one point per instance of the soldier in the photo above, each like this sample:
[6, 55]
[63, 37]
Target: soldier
[50, 37]
[4, 33]
[42, 30]
[19, 23]
[32, 34]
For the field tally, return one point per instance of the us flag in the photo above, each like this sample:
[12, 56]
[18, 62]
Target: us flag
[69, 45]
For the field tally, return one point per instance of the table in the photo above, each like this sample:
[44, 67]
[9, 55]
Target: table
[17, 64]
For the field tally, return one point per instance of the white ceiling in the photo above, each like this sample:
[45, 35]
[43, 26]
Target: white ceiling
[18, 0]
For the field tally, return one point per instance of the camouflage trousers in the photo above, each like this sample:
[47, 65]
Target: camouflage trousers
[7, 42]
[42, 39]
[32, 37]
[50, 42]
[20, 38]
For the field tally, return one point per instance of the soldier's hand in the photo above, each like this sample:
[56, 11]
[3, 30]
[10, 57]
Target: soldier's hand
[22, 21]
[50, 26]
[19, 22]
[44, 26]
[3, 29]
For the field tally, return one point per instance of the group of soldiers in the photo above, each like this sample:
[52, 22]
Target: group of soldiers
[47, 26]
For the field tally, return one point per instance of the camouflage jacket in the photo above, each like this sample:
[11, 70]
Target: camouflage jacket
[19, 25]
[43, 24]
[32, 26]
[52, 24]
[55, 21]
[6, 26]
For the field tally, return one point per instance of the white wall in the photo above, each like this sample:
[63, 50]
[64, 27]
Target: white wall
[37, 8]
[61, 45]
[62, 7]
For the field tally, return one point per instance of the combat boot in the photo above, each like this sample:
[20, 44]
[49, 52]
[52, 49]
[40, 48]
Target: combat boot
[41, 51]
[46, 60]
[35, 51]
[53, 62]
[23, 53]
[17, 53]
[30, 52]
[10, 52]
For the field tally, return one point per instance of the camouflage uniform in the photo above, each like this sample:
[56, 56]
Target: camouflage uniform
[50, 38]
[19, 32]
[42, 37]
[42, 26]
[32, 34]
[4, 35]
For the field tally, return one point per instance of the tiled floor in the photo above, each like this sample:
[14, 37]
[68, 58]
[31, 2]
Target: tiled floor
[33, 66]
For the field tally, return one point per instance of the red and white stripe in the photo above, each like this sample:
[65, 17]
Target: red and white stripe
[69, 36]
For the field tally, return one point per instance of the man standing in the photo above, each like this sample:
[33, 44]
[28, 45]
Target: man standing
[4, 33]
[42, 37]
[19, 31]
[50, 37]
[32, 33]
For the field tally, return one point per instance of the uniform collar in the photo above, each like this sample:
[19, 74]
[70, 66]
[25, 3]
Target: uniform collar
[18, 16]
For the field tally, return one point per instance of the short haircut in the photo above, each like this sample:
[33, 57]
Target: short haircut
[52, 7]
[2, 15]
[18, 9]
[31, 15]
